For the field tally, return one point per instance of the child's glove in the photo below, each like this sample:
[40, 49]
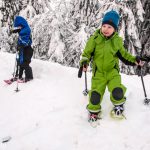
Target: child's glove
[84, 61]
[83, 66]
[16, 30]
[139, 64]
[139, 61]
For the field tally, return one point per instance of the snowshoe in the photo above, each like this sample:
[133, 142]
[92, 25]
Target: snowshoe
[21, 80]
[10, 81]
[117, 112]
[24, 80]
[94, 118]
[27, 80]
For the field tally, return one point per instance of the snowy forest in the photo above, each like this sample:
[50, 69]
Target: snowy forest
[60, 28]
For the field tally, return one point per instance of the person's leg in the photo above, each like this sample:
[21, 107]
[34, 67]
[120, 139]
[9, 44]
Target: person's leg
[28, 72]
[117, 92]
[116, 88]
[21, 72]
[28, 53]
[96, 93]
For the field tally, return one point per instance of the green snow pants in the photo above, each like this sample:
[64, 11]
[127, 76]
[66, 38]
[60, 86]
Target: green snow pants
[100, 80]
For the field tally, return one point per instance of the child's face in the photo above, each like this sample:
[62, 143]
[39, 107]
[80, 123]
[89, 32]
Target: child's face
[107, 30]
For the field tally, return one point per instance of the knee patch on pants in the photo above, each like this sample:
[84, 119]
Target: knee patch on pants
[95, 98]
[117, 93]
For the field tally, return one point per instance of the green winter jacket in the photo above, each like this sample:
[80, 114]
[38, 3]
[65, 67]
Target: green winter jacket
[105, 52]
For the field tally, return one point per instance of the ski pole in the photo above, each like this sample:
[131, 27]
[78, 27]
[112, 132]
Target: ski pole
[85, 92]
[146, 100]
[80, 72]
[15, 66]
[17, 75]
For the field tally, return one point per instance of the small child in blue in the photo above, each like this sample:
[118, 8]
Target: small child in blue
[24, 48]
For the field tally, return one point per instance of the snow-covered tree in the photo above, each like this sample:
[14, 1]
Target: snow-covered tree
[47, 39]
[91, 12]
[79, 26]
[60, 29]
[9, 9]
[144, 30]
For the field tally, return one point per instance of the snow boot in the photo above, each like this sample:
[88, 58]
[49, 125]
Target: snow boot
[21, 80]
[93, 118]
[117, 112]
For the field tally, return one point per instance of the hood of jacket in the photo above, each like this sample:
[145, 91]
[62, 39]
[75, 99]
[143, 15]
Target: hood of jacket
[25, 33]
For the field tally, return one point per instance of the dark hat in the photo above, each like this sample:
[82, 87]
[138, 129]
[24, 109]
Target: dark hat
[112, 18]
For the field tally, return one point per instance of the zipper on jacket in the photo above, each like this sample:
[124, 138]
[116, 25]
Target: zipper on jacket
[103, 55]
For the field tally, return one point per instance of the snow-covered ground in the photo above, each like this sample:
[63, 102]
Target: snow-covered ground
[49, 112]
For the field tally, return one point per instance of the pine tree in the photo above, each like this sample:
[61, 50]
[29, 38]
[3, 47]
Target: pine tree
[144, 30]
[47, 35]
[61, 32]
[79, 27]
[87, 12]
[9, 9]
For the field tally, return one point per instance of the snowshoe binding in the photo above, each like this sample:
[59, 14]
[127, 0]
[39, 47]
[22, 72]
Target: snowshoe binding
[24, 80]
[94, 118]
[117, 112]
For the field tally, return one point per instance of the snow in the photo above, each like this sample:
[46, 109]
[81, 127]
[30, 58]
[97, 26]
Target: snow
[60, 29]
[140, 11]
[28, 12]
[49, 112]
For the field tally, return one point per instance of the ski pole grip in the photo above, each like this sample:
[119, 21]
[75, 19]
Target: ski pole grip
[139, 71]
[80, 72]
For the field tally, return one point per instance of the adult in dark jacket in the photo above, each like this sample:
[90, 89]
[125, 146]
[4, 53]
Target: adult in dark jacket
[24, 48]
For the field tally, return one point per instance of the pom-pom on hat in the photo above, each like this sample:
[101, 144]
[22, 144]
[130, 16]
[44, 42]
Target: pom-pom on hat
[112, 18]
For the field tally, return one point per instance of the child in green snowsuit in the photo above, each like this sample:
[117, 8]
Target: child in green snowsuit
[107, 48]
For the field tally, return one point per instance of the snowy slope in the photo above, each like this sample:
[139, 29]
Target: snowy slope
[49, 112]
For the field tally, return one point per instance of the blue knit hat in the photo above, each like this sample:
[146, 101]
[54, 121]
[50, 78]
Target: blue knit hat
[112, 18]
